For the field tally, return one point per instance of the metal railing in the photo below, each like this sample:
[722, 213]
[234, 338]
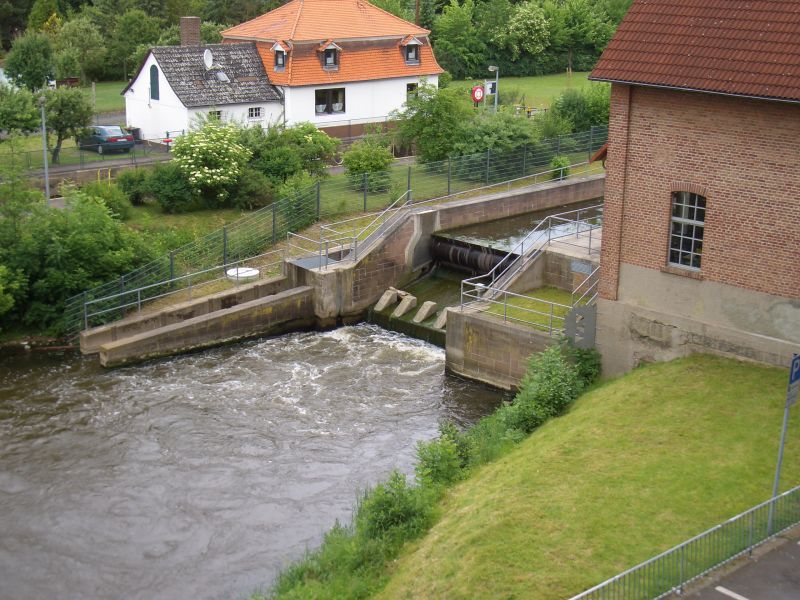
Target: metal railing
[670, 571]
[586, 290]
[120, 304]
[337, 195]
[87, 155]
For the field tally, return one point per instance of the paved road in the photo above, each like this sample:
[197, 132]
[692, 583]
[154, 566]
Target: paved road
[773, 576]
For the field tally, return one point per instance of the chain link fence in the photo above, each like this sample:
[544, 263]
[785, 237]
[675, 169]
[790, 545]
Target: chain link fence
[336, 195]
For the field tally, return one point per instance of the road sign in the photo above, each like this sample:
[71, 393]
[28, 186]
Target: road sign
[477, 93]
[794, 381]
[491, 87]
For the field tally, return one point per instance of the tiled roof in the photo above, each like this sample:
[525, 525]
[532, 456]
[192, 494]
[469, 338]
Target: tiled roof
[739, 47]
[359, 61]
[195, 85]
[317, 20]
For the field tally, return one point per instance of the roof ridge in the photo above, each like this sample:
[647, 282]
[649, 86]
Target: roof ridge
[297, 17]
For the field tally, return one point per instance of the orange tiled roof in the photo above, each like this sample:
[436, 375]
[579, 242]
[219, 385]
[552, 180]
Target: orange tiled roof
[737, 47]
[317, 20]
[359, 61]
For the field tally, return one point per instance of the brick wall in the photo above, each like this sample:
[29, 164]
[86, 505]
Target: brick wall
[741, 154]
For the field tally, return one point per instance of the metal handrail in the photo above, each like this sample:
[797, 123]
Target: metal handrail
[671, 570]
[492, 293]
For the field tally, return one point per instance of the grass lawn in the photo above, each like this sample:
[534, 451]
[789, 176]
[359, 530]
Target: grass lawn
[198, 223]
[108, 94]
[538, 92]
[638, 465]
[534, 310]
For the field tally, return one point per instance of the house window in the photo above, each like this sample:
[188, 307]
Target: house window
[411, 90]
[329, 101]
[254, 112]
[280, 59]
[412, 54]
[153, 82]
[215, 115]
[686, 229]
[330, 59]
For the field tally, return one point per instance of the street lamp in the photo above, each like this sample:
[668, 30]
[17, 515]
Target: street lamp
[44, 151]
[496, 70]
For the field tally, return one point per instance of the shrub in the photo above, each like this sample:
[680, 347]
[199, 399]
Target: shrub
[438, 461]
[394, 508]
[112, 197]
[135, 184]
[586, 362]
[298, 201]
[445, 79]
[367, 164]
[171, 189]
[254, 190]
[560, 167]
[584, 107]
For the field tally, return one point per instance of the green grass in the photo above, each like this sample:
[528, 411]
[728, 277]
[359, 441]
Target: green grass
[151, 218]
[534, 308]
[538, 92]
[108, 96]
[638, 465]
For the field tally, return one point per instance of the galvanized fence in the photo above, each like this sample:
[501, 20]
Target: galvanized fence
[670, 571]
[333, 196]
[85, 156]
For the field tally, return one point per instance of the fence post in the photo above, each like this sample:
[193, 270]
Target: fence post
[682, 570]
[224, 246]
[275, 222]
[558, 146]
[488, 158]
[365, 183]
[318, 205]
[591, 140]
[172, 268]
[408, 184]
[85, 311]
[449, 173]
[750, 534]
[524, 158]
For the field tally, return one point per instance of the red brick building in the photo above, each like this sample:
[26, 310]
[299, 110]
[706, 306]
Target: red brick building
[701, 233]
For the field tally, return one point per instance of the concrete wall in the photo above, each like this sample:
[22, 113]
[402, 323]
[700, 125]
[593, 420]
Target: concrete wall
[486, 349]
[273, 315]
[92, 339]
[658, 317]
[741, 155]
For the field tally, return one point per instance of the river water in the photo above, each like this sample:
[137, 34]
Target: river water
[201, 476]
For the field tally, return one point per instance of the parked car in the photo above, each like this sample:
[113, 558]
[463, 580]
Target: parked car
[106, 138]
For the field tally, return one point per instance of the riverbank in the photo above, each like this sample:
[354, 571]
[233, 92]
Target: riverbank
[637, 465]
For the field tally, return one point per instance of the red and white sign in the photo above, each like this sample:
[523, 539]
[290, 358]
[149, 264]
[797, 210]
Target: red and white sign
[478, 93]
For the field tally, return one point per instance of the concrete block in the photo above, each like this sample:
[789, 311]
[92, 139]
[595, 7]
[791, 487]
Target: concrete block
[388, 299]
[425, 311]
[406, 304]
[441, 320]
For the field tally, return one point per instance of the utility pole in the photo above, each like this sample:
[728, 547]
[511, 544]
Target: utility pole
[44, 152]
[791, 399]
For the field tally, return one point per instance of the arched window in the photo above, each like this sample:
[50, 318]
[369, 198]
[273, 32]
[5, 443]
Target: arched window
[153, 82]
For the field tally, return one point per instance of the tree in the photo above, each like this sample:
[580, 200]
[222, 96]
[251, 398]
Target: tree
[18, 112]
[577, 24]
[13, 16]
[41, 11]
[30, 62]
[209, 34]
[131, 28]
[83, 41]
[526, 31]
[459, 47]
[68, 112]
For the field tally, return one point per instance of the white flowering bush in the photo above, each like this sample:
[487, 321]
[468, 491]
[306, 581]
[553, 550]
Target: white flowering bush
[212, 159]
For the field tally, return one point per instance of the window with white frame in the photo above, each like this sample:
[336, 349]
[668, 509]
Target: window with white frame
[254, 112]
[329, 101]
[687, 225]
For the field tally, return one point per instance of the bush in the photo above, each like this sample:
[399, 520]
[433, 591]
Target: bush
[371, 157]
[254, 190]
[135, 184]
[112, 197]
[171, 189]
[438, 461]
[394, 508]
[586, 362]
[298, 201]
[445, 79]
[560, 167]
[584, 107]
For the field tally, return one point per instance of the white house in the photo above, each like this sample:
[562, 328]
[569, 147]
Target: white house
[177, 84]
[339, 62]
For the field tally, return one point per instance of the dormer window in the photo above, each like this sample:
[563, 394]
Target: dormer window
[280, 59]
[412, 54]
[330, 58]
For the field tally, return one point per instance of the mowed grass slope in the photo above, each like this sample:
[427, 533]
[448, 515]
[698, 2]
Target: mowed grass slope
[638, 465]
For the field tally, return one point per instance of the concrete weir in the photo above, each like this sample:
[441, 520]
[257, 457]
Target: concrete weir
[316, 295]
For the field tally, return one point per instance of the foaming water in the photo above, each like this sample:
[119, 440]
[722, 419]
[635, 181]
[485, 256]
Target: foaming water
[202, 476]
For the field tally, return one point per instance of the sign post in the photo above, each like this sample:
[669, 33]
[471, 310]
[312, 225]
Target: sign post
[791, 399]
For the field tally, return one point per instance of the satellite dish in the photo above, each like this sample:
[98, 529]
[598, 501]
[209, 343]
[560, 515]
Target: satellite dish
[208, 58]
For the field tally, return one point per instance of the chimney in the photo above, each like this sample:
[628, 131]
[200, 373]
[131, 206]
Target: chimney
[190, 31]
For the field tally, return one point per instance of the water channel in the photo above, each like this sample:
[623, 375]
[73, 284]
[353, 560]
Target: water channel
[201, 476]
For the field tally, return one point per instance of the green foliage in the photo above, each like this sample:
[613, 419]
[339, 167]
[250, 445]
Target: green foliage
[398, 8]
[254, 190]
[30, 62]
[560, 167]
[460, 48]
[135, 184]
[67, 63]
[584, 107]
[171, 36]
[10, 287]
[68, 112]
[298, 196]
[41, 11]
[445, 79]
[171, 189]
[585, 361]
[131, 28]
[367, 164]
[527, 31]
[438, 461]
[81, 40]
[212, 159]
[111, 196]
[18, 111]
[394, 508]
